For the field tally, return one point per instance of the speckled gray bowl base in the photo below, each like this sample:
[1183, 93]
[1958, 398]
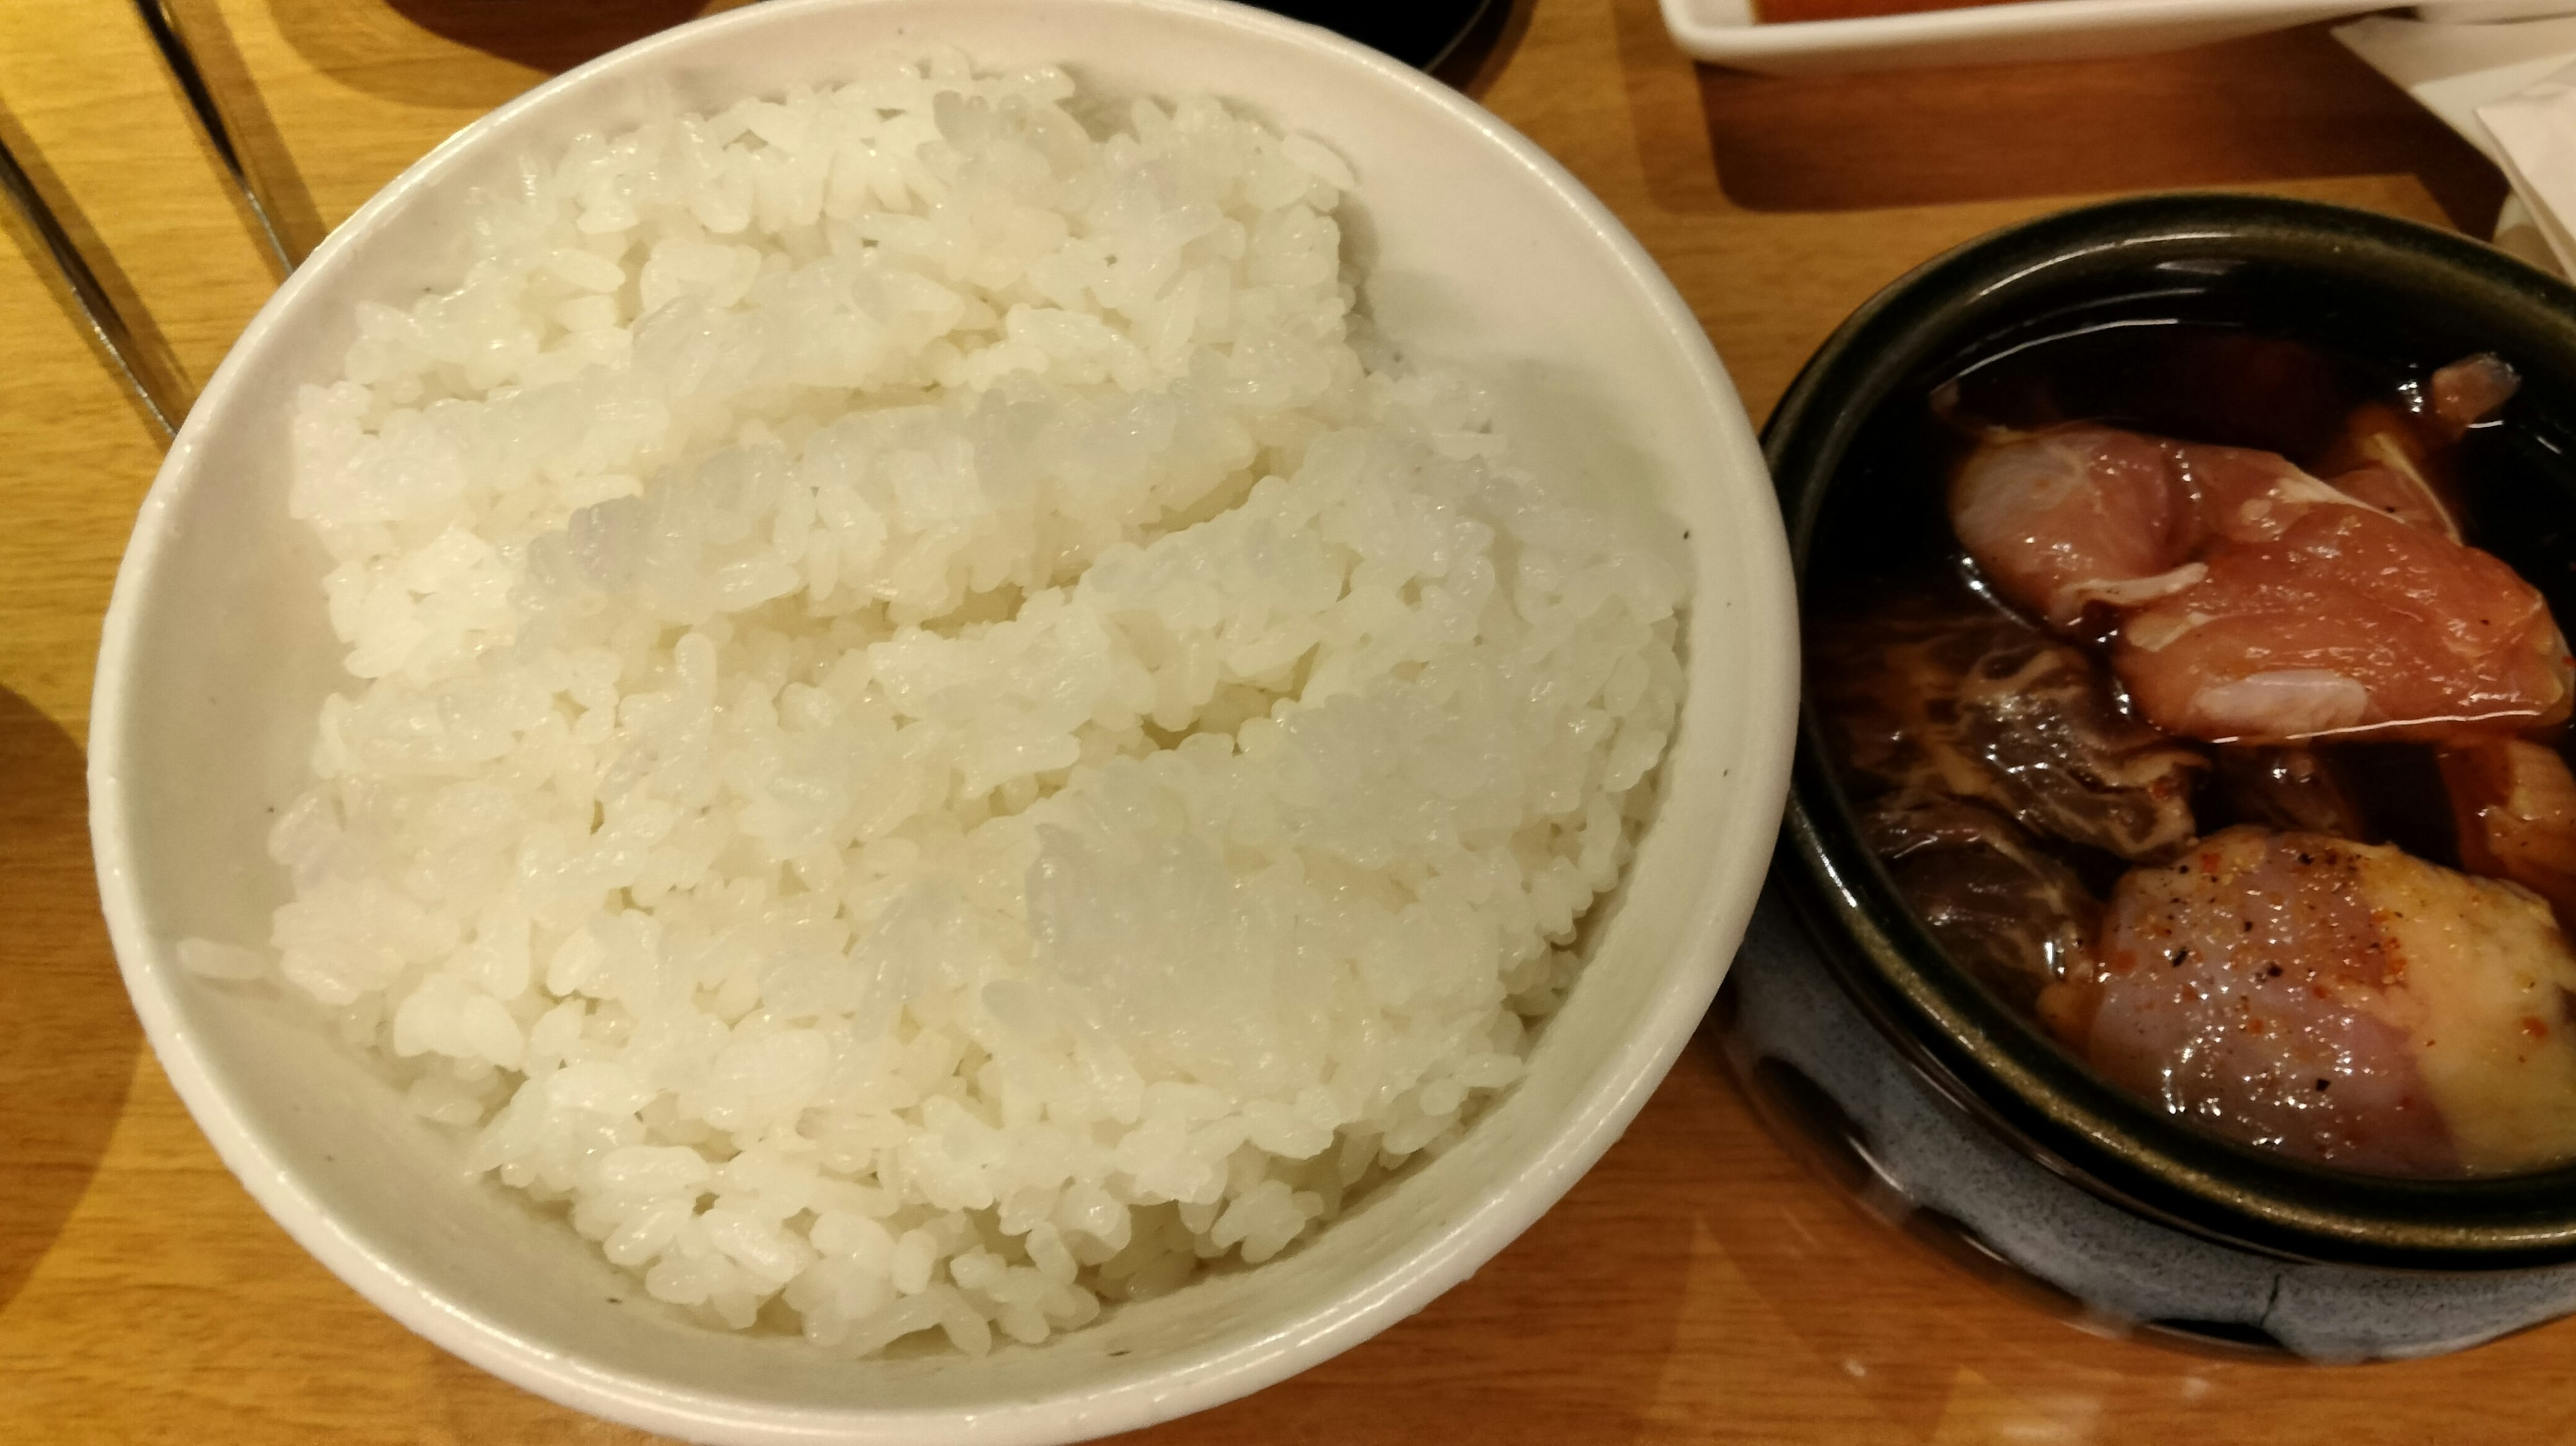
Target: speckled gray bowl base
[1929, 1154]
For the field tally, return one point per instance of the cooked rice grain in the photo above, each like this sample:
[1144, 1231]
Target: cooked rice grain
[939, 738]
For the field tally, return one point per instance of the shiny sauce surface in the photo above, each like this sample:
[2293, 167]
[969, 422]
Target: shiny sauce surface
[2341, 936]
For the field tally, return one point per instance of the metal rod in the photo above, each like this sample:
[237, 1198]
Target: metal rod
[173, 43]
[107, 325]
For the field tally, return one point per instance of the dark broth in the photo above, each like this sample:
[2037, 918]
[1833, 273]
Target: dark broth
[2232, 354]
[2198, 380]
[2197, 366]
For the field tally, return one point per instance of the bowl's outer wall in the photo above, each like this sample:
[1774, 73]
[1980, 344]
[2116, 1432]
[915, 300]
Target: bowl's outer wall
[2436, 287]
[216, 655]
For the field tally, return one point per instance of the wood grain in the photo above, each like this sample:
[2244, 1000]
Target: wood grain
[1697, 1286]
[86, 105]
[2264, 108]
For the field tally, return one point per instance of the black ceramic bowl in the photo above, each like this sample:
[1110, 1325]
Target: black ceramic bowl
[2350, 282]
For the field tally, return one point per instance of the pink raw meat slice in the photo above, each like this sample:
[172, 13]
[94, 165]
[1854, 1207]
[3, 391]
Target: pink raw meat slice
[2254, 603]
[2056, 517]
[2347, 624]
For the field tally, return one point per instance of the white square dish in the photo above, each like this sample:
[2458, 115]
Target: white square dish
[1727, 32]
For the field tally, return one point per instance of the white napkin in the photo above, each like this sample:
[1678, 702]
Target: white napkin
[2535, 134]
[2510, 90]
[2453, 69]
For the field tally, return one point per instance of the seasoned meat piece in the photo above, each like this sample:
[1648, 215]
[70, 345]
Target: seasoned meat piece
[2010, 915]
[2341, 1002]
[2253, 602]
[2283, 787]
[1944, 695]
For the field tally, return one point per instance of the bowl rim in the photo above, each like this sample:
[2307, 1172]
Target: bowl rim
[1976, 1052]
[1605, 1099]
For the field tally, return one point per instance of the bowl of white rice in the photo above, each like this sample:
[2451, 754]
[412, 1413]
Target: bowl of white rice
[943, 720]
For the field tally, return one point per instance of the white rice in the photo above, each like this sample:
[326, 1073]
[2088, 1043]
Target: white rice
[939, 738]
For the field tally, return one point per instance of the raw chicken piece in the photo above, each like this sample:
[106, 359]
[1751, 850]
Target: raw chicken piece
[2065, 518]
[1949, 696]
[2070, 516]
[2397, 459]
[2403, 494]
[2341, 1002]
[2348, 623]
[2255, 603]
[2383, 461]
[2514, 806]
[2469, 390]
[2010, 915]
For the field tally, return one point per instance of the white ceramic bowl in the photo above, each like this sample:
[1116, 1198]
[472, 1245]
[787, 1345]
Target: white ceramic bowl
[1483, 252]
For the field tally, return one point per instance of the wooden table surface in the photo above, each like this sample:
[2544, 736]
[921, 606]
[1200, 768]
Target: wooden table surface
[1697, 1286]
